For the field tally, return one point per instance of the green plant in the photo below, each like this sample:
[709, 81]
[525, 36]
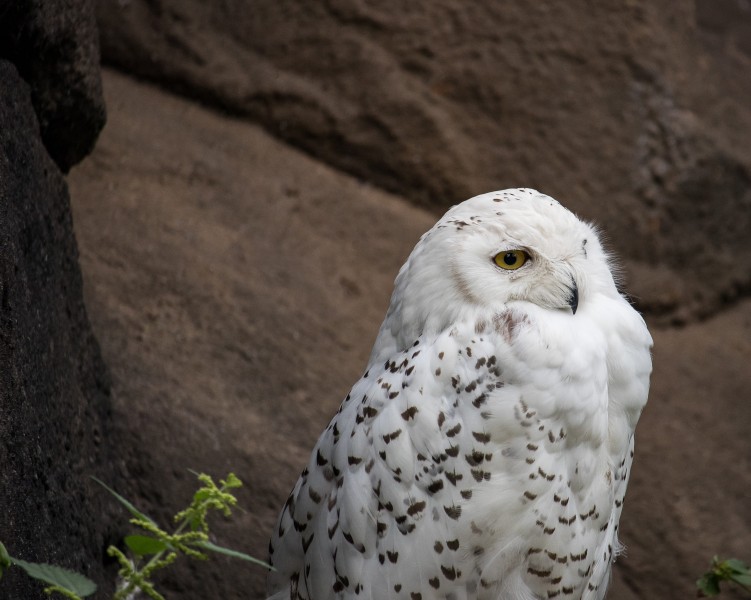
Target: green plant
[65, 582]
[732, 570]
[154, 550]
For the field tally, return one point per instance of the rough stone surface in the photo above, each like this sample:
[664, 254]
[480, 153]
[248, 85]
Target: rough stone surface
[54, 45]
[236, 286]
[54, 390]
[634, 113]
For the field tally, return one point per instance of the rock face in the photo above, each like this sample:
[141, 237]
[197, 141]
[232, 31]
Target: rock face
[55, 47]
[54, 390]
[236, 286]
[632, 113]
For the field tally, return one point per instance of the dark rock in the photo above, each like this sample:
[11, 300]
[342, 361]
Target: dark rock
[54, 390]
[55, 47]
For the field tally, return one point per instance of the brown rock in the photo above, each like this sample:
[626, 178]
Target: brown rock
[632, 113]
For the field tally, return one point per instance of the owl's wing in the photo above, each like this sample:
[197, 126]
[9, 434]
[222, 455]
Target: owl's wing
[628, 388]
[610, 547]
[377, 509]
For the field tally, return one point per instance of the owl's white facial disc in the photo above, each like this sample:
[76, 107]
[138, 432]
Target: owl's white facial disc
[451, 274]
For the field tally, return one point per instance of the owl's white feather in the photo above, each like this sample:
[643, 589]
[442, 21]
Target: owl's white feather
[486, 450]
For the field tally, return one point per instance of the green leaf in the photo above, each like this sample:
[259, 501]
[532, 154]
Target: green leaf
[743, 579]
[233, 553]
[233, 481]
[127, 504]
[73, 582]
[736, 565]
[5, 561]
[709, 585]
[195, 524]
[144, 544]
[201, 496]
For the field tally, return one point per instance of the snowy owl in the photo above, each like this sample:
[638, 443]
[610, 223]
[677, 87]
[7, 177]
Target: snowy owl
[486, 449]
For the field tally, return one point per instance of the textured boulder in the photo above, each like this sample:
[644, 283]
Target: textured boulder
[632, 113]
[54, 45]
[54, 391]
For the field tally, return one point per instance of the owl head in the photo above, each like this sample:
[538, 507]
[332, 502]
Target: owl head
[493, 251]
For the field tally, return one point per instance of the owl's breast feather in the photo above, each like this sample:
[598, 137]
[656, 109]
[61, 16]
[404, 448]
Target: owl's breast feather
[562, 427]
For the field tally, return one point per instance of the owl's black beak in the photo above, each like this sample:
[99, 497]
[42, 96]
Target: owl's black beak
[573, 299]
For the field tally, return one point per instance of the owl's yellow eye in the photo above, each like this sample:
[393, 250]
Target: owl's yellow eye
[511, 259]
